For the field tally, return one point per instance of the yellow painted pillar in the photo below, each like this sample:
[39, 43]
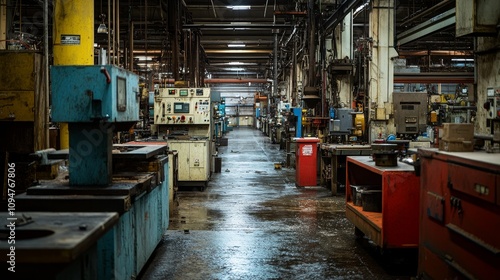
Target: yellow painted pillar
[73, 40]
[3, 24]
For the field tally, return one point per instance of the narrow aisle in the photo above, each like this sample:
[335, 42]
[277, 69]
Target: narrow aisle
[253, 223]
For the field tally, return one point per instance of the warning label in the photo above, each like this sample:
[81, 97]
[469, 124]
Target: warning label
[307, 150]
[70, 39]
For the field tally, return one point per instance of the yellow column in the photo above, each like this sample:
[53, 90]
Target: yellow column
[3, 24]
[73, 40]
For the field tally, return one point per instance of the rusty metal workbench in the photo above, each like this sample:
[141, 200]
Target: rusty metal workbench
[335, 155]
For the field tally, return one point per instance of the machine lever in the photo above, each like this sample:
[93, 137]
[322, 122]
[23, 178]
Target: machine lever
[105, 72]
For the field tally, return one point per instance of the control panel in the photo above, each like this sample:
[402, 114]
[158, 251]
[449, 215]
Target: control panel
[184, 106]
[493, 102]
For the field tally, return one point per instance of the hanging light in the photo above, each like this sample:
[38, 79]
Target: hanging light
[102, 29]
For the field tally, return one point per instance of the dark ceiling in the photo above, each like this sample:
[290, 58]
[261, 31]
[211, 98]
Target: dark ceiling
[216, 24]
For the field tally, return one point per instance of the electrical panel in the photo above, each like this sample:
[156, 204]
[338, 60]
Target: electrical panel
[493, 104]
[410, 112]
[182, 106]
[342, 124]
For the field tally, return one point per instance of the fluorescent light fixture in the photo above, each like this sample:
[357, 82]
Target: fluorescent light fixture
[236, 45]
[462, 59]
[143, 57]
[239, 63]
[240, 7]
[234, 69]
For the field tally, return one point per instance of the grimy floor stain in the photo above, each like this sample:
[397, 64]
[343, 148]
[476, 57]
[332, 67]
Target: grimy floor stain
[252, 222]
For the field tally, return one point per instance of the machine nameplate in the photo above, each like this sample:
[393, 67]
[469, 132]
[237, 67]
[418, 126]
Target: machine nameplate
[70, 39]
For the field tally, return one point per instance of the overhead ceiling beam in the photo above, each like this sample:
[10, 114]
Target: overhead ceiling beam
[235, 73]
[222, 26]
[428, 11]
[232, 41]
[428, 77]
[238, 51]
[236, 81]
[345, 8]
[436, 53]
[428, 27]
[242, 56]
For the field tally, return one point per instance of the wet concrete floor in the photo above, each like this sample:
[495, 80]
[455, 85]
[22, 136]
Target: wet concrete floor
[252, 222]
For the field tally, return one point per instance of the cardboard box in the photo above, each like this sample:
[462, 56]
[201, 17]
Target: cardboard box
[458, 132]
[464, 146]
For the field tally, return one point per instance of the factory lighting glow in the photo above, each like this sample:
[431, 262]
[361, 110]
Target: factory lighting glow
[235, 63]
[241, 7]
[462, 59]
[236, 45]
[234, 69]
[144, 58]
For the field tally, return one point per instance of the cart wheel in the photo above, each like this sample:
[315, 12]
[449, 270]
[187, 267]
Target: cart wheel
[358, 233]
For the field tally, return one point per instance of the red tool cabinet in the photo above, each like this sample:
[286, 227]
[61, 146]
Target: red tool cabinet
[397, 225]
[459, 215]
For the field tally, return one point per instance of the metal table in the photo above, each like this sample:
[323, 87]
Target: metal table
[335, 155]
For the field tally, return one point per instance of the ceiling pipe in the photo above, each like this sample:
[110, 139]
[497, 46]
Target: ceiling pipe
[312, 45]
[275, 64]
[290, 37]
[219, 81]
[403, 53]
[213, 8]
[236, 81]
[218, 26]
[345, 8]
[290, 13]
[429, 77]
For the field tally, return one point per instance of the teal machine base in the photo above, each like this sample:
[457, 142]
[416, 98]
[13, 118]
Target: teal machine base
[139, 194]
[132, 184]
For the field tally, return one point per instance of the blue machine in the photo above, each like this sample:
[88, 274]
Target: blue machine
[297, 112]
[222, 112]
[89, 93]
[93, 100]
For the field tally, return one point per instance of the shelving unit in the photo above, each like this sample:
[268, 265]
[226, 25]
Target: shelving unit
[397, 225]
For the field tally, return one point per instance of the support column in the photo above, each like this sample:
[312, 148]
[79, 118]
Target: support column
[3, 24]
[345, 47]
[381, 71]
[73, 38]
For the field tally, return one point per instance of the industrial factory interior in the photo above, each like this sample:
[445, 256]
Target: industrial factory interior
[263, 139]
